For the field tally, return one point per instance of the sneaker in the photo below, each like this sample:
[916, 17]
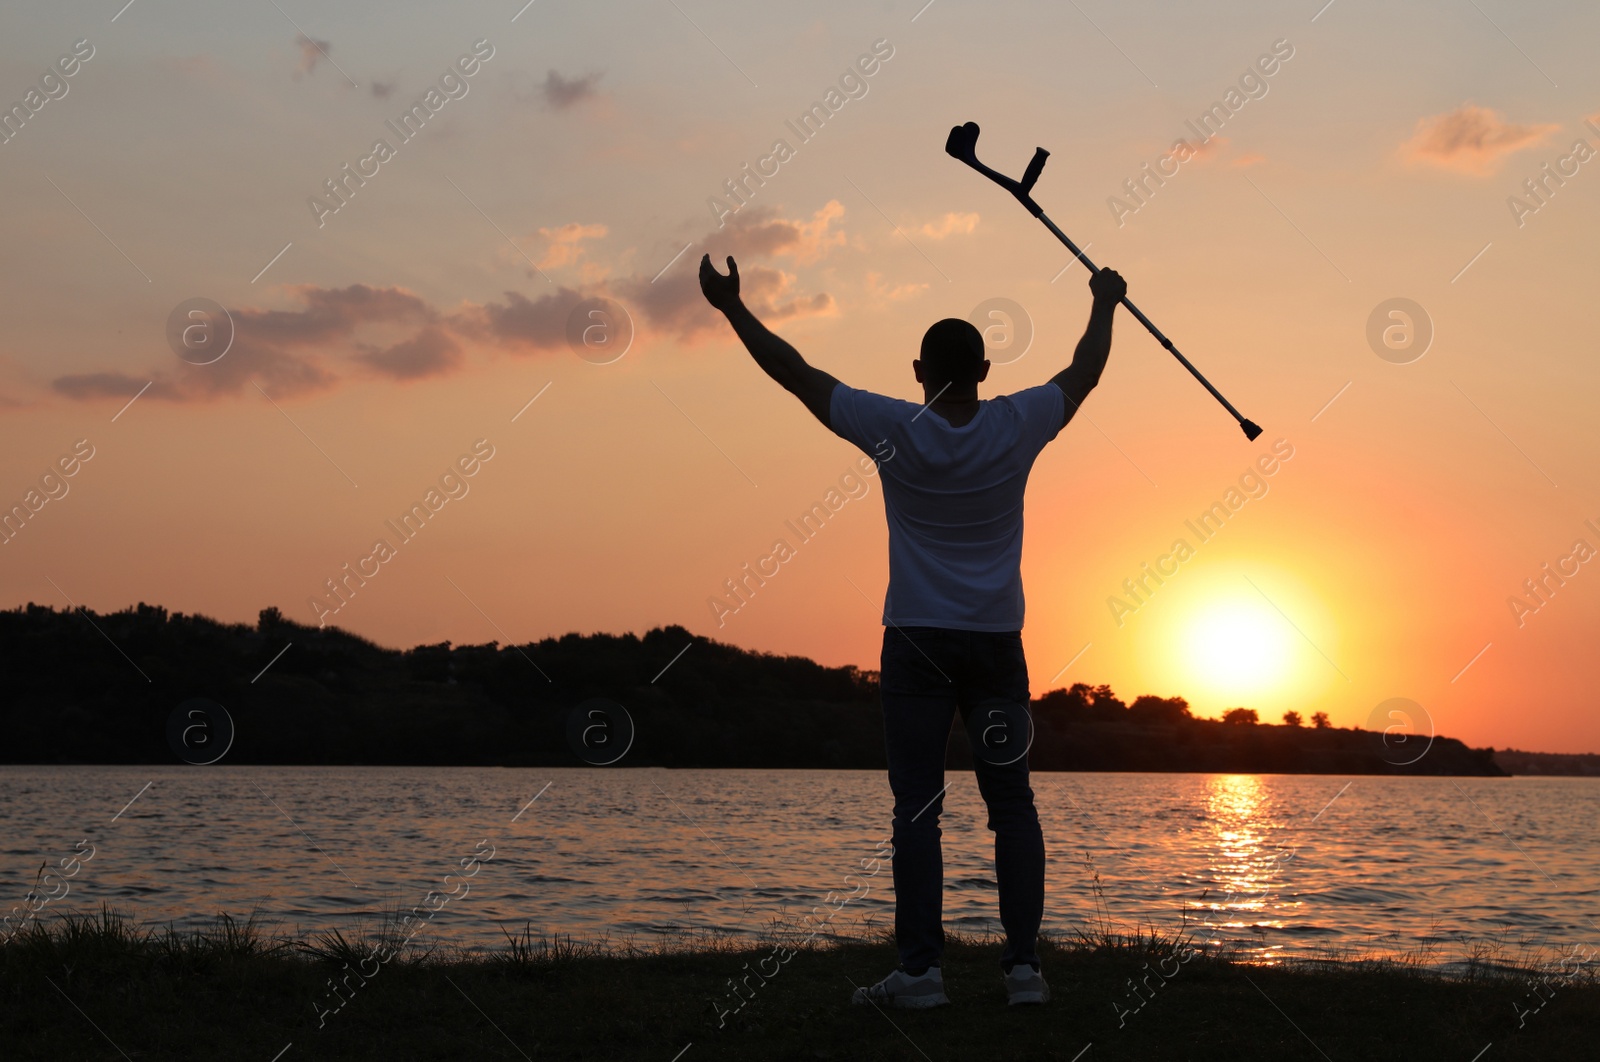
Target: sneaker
[900, 989]
[1025, 984]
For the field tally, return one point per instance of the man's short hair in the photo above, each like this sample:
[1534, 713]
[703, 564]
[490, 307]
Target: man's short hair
[952, 352]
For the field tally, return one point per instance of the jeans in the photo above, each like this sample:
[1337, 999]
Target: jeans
[928, 673]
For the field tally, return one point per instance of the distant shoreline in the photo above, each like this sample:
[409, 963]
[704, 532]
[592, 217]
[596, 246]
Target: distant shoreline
[144, 686]
[1553, 775]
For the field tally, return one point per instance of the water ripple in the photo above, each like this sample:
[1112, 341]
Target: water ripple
[1393, 865]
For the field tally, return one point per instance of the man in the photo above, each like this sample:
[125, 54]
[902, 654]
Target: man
[952, 637]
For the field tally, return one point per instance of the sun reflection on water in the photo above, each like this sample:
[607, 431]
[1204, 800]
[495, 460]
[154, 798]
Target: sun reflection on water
[1247, 876]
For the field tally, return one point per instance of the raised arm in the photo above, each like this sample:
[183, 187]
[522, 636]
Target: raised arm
[1089, 360]
[776, 357]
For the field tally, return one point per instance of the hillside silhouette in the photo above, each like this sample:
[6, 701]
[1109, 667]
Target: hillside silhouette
[100, 688]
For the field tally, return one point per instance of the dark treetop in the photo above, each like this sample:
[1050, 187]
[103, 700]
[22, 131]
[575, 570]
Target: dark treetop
[71, 696]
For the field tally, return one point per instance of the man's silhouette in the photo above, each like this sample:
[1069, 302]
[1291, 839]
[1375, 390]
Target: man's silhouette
[952, 637]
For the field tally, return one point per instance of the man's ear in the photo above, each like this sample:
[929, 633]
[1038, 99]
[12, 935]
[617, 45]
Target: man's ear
[983, 373]
[916, 367]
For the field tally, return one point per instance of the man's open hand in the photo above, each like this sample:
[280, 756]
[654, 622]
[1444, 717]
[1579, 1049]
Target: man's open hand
[720, 291]
[1107, 286]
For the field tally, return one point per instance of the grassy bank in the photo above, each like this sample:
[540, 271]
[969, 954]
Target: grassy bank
[77, 987]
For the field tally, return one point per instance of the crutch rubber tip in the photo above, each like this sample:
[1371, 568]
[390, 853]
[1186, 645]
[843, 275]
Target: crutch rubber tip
[1251, 428]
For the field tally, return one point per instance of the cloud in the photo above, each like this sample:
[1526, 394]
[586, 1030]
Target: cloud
[1469, 139]
[879, 290]
[429, 352]
[330, 314]
[560, 93]
[949, 224]
[390, 333]
[279, 374]
[1246, 161]
[387, 332]
[381, 89]
[564, 244]
[520, 325]
[760, 231]
[106, 385]
[311, 52]
[672, 303]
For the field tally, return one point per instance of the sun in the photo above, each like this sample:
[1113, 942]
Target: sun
[1238, 648]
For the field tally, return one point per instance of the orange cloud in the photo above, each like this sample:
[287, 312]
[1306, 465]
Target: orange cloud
[879, 290]
[672, 303]
[949, 224]
[1209, 147]
[1246, 161]
[760, 231]
[1469, 139]
[565, 243]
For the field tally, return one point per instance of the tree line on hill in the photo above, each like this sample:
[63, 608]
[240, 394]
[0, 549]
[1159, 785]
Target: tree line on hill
[1516, 761]
[105, 688]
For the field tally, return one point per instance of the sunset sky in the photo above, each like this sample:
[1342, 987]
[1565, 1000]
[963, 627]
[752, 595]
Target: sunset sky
[376, 344]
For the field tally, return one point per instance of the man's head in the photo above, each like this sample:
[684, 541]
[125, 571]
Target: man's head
[952, 357]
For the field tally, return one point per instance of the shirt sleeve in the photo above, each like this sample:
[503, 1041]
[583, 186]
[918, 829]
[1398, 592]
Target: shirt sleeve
[1043, 409]
[860, 417]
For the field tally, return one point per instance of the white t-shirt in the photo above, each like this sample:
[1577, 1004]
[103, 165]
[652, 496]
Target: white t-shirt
[953, 497]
